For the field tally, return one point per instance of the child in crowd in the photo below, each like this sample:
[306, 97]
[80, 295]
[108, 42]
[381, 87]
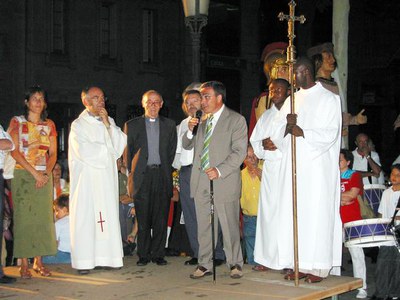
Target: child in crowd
[63, 256]
[251, 178]
[387, 274]
[126, 211]
[351, 189]
[61, 186]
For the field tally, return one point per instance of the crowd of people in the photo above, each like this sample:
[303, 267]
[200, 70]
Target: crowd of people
[120, 181]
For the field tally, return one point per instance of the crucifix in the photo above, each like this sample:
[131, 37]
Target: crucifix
[101, 221]
[290, 54]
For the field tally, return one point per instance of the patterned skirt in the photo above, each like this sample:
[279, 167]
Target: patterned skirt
[34, 231]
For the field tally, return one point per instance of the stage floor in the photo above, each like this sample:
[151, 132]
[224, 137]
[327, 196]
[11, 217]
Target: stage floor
[168, 282]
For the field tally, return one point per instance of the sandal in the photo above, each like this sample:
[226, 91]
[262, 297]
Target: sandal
[310, 278]
[260, 268]
[25, 273]
[286, 271]
[291, 276]
[43, 271]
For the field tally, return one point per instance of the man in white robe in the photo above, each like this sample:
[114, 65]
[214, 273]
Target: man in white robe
[268, 229]
[95, 144]
[317, 127]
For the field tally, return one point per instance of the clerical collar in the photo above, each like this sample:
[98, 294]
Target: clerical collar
[151, 119]
[98, 118]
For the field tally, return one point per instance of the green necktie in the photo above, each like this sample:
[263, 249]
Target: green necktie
[205, 158]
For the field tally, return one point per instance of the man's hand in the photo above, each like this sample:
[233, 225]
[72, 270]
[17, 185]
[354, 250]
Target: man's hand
[291, 119]
[104, 117]
[268, 145]
[294, 130]
[365, 150]
[192, 123]
[360, 118]
[212, 173]
[297, 131]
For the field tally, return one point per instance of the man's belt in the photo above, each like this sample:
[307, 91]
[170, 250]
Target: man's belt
[154, 166]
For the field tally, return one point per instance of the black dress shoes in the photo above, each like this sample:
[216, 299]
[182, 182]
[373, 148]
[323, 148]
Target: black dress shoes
[192, 262]
[159, 261]
[142, 262]
[6, 279]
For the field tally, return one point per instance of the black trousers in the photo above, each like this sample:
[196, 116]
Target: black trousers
[387, 273]
[152, 205]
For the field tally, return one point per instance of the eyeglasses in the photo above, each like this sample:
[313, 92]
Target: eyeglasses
[97, 98]
[153, 103]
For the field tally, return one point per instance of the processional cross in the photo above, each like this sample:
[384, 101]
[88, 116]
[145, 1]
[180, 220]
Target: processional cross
[101, 221]
[290, 54]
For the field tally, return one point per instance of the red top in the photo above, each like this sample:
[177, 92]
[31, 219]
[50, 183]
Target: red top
[351, 212]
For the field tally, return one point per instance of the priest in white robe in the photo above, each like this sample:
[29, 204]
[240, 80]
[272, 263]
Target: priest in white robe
[269, 231]
[317, 127]
[95, 144]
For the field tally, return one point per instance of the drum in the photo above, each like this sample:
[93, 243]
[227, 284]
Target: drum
[373, 193]
[368, 233]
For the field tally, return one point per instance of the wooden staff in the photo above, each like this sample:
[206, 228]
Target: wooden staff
[291, 53]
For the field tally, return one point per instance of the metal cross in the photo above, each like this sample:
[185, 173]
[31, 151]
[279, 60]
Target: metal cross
[291, 18]
[291, 52]
[101, 221]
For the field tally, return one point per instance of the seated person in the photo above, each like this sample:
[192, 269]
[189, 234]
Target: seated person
[351, 188]
[61, 186]
[63, 256]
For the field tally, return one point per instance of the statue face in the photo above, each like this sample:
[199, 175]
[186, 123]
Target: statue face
[280, 70]
[328, 62]
[275, 66]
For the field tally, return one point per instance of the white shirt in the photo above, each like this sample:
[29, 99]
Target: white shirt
[186, 156]
[215, 119]
[361, 164]
[4, 135]
[62, 234]
[388, 203]
[214, 122]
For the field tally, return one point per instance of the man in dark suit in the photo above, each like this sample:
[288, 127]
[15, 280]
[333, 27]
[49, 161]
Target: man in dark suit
[149, 156]
[220, 146]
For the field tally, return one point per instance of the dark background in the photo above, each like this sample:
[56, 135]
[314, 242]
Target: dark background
[64, 45]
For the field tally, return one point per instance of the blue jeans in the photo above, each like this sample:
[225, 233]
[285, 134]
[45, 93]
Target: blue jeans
[60, 258]
[249, 233]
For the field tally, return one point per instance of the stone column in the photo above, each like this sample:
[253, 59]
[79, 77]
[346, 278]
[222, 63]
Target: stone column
[340, 32]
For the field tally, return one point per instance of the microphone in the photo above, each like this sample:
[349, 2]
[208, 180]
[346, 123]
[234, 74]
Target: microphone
[198, 115]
